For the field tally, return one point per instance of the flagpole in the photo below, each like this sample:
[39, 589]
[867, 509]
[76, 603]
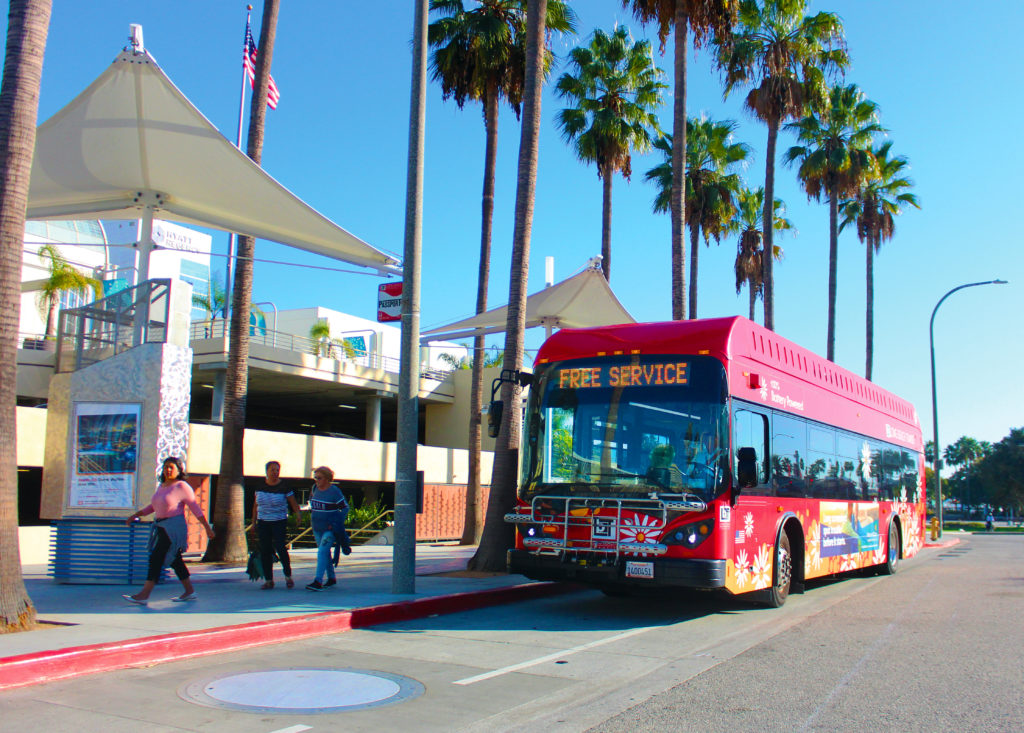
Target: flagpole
[238, 144]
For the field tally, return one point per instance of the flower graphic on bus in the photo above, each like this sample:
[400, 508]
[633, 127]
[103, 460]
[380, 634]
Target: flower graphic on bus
[762, 570]
[878, 556]
[742, 569]
[748, 524]
[812, 558]
[912, 527]
[640, 528]
[849, 562]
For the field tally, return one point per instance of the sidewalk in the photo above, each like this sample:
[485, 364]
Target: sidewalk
[96, 630]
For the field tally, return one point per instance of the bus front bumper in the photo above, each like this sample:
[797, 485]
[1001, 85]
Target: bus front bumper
[638, 571]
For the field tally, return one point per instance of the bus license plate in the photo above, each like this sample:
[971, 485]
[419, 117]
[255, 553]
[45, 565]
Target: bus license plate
[639, 569]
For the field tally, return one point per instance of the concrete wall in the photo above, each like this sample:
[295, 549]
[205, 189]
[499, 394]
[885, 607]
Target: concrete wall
[448, 425]
[34, 545]
[35, 369]
[352, 460]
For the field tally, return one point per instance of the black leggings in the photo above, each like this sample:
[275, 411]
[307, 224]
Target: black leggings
[159, 554]
[272, 537]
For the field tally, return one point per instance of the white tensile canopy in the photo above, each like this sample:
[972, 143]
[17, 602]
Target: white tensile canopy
[132, 146]
[581, 301]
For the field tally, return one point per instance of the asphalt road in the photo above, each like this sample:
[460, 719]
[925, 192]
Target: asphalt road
[936, 647]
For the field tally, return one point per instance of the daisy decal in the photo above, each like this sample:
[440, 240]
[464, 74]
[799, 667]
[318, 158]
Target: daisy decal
[812, 558]
[865, 462]
[640, 528]
[878, 556]
[762, 570]
[742, 569]
[849, 562]
[748, 524]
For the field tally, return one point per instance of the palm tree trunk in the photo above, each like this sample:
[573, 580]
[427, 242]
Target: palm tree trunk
[229, 513]
[606, 222]
[497, 535]
[52, 314]
[767, 221]
[833, 267]
[694, 253]
[678, 204]
[473, 525]
[27, 25]
[753, 298]
[869, 346]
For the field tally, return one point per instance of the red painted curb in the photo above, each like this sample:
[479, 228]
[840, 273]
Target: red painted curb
[943, 543]
[60, 664]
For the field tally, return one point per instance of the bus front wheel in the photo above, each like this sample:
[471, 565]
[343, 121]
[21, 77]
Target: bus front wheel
[783, 573]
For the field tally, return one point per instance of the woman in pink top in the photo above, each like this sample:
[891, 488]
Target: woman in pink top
[169, 536]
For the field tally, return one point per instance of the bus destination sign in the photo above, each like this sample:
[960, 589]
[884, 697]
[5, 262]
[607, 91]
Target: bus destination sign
[626, 375]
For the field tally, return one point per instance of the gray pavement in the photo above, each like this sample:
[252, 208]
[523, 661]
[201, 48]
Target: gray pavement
[97, 614]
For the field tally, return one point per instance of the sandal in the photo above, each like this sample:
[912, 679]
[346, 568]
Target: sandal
[268, 585]
[289, 583]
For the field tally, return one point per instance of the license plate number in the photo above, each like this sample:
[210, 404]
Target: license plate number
[639, 569]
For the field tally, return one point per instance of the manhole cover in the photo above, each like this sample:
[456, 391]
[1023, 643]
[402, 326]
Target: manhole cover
[302, 691]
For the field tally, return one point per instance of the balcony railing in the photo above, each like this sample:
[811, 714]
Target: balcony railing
[333, 349]
[113, 324]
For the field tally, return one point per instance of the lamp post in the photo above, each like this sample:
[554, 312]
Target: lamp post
[936, 461]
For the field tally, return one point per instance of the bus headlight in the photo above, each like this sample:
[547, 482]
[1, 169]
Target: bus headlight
[689, 535]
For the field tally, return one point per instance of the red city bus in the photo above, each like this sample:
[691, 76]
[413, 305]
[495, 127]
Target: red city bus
[710, 454]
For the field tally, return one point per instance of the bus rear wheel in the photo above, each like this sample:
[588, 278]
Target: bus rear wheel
[783, 573]
[892, 551]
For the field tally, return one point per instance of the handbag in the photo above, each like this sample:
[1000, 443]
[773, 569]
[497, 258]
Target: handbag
[255, 567]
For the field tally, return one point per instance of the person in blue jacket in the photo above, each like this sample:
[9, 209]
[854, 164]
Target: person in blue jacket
[328, 510]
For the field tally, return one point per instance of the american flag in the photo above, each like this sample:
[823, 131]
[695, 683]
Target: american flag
[249, 62]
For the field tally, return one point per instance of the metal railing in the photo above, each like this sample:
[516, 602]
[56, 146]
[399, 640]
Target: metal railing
[113, 324]
[335, 349]
[367, 532]
[591, 524]
[36, 342]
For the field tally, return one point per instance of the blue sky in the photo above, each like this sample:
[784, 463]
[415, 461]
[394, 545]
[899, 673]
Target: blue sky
[338, 139]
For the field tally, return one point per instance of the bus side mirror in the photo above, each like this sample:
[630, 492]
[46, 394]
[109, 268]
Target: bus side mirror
[746, 468]
[494, 418]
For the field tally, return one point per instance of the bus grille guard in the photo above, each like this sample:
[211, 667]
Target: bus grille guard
[578, 513]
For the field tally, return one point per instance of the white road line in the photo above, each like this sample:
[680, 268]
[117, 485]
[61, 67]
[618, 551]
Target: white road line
[293, 729]
[556, 655]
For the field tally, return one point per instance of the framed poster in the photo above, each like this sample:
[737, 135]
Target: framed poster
[104, 457]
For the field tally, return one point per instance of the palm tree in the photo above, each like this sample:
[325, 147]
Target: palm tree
[707, 20]
[614, 88]
[462, 362]
[320, 335]
[711, 188]
[229, 542]
[27, 24]
[478, 55]
[873, 210]
[835, 160]
[747, 223]
[213, 301]
[784, 57]
[497, 535]
[61, 279]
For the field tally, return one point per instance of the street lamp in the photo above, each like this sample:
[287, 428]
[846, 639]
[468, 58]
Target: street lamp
[936, 461]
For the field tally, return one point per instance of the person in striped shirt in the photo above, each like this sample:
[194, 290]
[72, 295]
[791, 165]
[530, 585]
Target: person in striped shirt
[270, 517]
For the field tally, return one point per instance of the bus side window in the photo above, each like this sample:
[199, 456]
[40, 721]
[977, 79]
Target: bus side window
[847, 451]
[789, 455]
[750, 430]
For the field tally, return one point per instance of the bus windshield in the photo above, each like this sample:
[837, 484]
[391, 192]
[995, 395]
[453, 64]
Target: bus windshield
[626, 425]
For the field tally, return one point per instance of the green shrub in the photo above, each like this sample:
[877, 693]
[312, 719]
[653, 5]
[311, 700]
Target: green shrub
[365, 514]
